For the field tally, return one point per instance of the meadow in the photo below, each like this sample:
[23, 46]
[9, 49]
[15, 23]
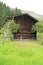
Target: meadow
[26, 52]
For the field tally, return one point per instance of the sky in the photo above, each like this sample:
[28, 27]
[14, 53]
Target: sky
[29, 5]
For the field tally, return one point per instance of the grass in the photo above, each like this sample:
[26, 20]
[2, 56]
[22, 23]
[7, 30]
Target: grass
[21, 52]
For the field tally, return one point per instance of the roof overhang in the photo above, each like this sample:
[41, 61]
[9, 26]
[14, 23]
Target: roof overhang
[26, 15]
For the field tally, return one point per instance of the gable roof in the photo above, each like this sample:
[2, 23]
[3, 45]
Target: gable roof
[27, 15]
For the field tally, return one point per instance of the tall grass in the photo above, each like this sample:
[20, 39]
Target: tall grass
[40, 38]
[21, 53]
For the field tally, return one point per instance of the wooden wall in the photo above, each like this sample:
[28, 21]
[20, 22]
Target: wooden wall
[26, 24]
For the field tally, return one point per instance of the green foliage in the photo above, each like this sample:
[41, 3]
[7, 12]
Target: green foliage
[6, 11]
[1, 30]
[17, 11]
[8, 29]
[14, 26]
[11, 27]
[21, 53]
[38, 27]
[40, 37]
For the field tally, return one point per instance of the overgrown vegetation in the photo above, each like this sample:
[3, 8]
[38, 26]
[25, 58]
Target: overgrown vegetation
[13, 26]
[8, 30]
[6, 11]
[8, 27]
[28, 52]
[21, 53]
[38, 27]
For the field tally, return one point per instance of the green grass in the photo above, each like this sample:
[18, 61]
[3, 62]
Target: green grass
[21, 52]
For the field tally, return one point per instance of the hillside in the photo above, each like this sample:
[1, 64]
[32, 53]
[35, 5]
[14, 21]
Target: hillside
[35, 15]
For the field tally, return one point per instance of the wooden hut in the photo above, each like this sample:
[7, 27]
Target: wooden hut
[25, 22]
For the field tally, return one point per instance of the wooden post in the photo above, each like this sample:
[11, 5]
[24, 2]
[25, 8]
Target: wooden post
[21, 38]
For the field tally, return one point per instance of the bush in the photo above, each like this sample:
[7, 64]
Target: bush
[38, 27]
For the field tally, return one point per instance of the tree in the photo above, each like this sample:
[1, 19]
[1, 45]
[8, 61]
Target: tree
[4, 12]
[38, 27]
[17, 11]
[9, 28]
[13, 26]
[7, 11]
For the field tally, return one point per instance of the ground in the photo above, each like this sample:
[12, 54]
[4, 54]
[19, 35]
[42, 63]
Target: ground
[26, 52]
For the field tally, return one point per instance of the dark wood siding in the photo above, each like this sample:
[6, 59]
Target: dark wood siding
[25, 36]
[26, 24]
